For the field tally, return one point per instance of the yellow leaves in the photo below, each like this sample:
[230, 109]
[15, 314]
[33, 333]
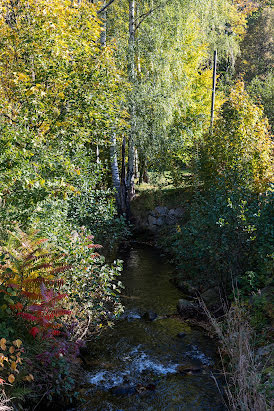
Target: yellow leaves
[11, 350]
[3, 344]
[10, 362]
[2, 359]
[11, 378]
[29, 378]
[22, 77]
[13, 366]
[240, 141]
[17, 343]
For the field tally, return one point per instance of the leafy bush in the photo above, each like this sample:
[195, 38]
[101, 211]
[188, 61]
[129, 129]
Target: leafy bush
[228, 236]
[96, 211]
[92, 286]
[54, 297]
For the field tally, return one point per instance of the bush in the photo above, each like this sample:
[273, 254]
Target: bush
[228, 236]
[53, 297]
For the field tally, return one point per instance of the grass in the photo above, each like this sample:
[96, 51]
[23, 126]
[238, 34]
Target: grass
[161, 192]
[162, 181]
[243, 371]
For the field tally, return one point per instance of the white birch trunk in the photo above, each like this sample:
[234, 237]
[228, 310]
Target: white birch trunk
[131, 70]
[115, 170]
[97, 155]
[103, 37]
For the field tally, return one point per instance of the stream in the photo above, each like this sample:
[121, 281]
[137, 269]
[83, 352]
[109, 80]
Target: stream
[134, 365]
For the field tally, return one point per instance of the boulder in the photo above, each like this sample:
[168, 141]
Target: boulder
[161, 210]
[189, 369]
[171, 219]
[188, 309]
[152, 220]
[186, 287]
[160, 221]
[178, 212]
[144, 388]
[150, 316]
[211, 296]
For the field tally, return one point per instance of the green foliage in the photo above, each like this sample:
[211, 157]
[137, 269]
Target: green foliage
[60, 97]
[257, 46]
[228, 237]
[92, 285]
[87, 300]
[96, 210]
[262, 91]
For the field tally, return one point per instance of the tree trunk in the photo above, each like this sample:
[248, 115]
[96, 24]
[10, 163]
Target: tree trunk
[115, 172]
[136, 164]
[131, 75]
[103, 37]
[124, 198]
[97, 155]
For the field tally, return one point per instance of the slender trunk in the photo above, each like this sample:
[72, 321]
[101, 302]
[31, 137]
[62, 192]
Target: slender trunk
[97, 155]
[213, 91]
[141, 169]
[117, 185]
[124, 199]
[131, 75]
[136, 164]
[115, 171]
[103, 37]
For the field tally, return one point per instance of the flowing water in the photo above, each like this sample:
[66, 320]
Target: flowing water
[135, 364]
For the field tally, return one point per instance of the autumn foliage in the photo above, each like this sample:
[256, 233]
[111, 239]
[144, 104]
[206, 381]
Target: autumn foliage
[239, 151]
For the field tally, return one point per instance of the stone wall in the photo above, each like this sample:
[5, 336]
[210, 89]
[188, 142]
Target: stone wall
[159, 217]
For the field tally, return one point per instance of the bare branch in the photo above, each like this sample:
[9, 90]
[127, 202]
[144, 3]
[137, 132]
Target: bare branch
[143, 16]
[105, 7]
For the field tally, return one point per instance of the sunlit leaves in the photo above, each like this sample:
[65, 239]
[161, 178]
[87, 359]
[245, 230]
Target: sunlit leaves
[239, 150]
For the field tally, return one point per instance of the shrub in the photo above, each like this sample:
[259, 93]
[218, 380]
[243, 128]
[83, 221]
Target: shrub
[92, 286]
[228, 236]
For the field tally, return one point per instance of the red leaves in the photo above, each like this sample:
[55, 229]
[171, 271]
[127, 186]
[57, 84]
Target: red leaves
[17, 306]
[55, 332]
[60, 269]
[30, 295]
[96, 246]
[34, 331]
[45, 312]
[28, 316]
[94, 255]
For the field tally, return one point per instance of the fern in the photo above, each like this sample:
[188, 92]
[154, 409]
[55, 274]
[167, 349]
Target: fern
[29, 262]
[31, 268]
[45, 313]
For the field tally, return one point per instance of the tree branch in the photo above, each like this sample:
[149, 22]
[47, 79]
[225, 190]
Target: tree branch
[145, 15]
[105, 7]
